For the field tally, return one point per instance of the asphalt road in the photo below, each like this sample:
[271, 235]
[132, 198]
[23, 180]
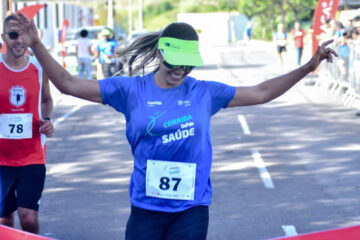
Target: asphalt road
[286, 167]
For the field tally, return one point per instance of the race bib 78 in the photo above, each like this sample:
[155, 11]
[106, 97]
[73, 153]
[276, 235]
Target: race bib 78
[16, 126]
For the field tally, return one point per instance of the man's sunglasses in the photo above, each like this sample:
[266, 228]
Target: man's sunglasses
[13, 35]
[175, 67]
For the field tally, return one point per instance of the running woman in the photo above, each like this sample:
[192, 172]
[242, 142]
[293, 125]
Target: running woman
[167, 124]
[25, 111]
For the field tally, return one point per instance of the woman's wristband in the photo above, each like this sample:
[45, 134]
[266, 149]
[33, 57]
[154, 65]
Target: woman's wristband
[47, 118]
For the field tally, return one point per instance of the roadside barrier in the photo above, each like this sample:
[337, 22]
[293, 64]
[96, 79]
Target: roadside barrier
[342, 77]
[7, 233]
[347, 233]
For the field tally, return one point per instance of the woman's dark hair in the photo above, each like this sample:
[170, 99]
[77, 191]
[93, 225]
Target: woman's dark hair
[143, 49]
[84, 33]
[182, 31]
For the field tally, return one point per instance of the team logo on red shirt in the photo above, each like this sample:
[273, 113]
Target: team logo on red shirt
[17, 96]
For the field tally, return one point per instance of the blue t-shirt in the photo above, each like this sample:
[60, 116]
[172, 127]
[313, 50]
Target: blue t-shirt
[107, 48]
[344, 51]
[154, 119]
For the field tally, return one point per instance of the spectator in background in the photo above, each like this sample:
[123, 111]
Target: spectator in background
[339, 31]
[99, 72]
[298, 35]
[280, 39]
[247, 32]
[0, 46]
[350, 28]
[357, 66]
[356, 51]
[328, 31]
[344, 56]
[83, 53]
[357, 32]
[106, 52]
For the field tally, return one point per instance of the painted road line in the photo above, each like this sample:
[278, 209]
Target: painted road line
[66, 115]
[244, 125]
[264, 174]
[289, 230]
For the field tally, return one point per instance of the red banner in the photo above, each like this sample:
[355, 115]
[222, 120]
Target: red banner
[347, 233]
[15, 234]
[326, 9]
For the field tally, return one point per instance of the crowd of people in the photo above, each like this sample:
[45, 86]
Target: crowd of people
[346, 35]
[101, 54]
[281, 40]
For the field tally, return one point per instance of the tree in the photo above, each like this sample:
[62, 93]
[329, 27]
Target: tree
[282, 7]
[298, 6]
[271, 12]
[263, 10]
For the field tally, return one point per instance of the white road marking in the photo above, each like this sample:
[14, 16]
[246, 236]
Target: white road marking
[264, 174]
[244, 125]
[289, 230]
[66, 115]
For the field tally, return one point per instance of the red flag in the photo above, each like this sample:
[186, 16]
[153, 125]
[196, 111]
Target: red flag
[64, 28]
[63, 33]
[31, 10]
[326, 9]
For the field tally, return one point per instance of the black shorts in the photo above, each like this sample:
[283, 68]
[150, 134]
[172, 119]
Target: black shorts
[189, 224]
[21, 187]
[281, 49]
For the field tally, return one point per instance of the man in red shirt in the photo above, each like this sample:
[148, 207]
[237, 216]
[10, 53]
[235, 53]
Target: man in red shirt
[298, 35]
[25, 110]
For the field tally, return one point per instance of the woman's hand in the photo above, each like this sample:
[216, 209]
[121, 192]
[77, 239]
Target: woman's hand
[323, 52]
[26, 29]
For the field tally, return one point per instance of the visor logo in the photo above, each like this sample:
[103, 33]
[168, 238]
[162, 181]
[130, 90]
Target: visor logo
[167, 44]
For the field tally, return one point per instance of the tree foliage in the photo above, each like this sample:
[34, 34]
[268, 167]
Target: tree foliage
[269, 13]
[266, 14]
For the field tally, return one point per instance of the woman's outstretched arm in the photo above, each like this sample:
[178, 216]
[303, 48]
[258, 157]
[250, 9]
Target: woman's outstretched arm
[273, 88]
[63, 80]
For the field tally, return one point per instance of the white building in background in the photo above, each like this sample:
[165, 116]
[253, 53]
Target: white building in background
[216, 28]
[213, 28]
[51, 17]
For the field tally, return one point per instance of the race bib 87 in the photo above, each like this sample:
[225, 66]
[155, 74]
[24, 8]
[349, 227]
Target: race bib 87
[170, 180]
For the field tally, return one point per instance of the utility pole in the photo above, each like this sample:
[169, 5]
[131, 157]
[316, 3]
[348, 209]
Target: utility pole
[140, 17]
[110, 17]
[4, 7]
[130, 18]
[10, 6]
